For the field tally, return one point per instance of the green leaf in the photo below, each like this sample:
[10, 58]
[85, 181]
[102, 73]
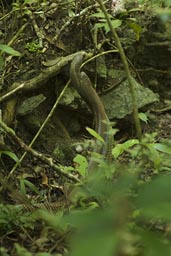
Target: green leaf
[95, 134]
[99, 25]
[82, 164]
[12, 155]
[22, 187]
[117, 150]
[9, 50]
[120, 148]
[154, 198]
[154, 155]
[68, 169]
[24, 183]
[21, 250]
[29, 1]
[143, 117]
[134, 10]
[98, 15]
[162, 148]
[130, 143]
[115, 24]
[71, 13]
[56, 221]
[137, 29]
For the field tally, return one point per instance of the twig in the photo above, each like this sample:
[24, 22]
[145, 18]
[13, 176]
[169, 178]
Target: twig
[39, 80]
[12, 92]
[10, 132]
[41, 128]
[126, 67]
[17, 34]
[38, 31]
[67, 24]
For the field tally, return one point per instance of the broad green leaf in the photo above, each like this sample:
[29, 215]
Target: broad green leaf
[95, 134]
[130, 143]
[154, 155]
[162, 148]
[82, 164]
[9, 50]
[99, 25]
[120, 148]
[12, 155]
[100, 15]
[117, 150]
[71, 13]
[115, 24]
[29, 184]
[143, 117]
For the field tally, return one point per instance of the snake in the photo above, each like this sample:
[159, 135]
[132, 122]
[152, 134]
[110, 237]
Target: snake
[52, 207]
[83, 85]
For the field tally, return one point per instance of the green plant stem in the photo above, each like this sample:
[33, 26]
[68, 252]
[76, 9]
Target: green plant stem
[126, 68]
[58, 168]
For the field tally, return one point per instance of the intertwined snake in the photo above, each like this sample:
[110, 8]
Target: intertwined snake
[84, 87]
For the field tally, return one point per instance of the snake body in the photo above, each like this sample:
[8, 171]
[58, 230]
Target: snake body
[84, 87]
[48, 206]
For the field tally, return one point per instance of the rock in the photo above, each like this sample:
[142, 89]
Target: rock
[30, 104]
[118, 102]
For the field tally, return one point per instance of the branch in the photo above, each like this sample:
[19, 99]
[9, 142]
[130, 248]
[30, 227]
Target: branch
[126, 68]
[10, 132]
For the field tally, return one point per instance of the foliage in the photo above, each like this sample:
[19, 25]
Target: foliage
[82, 164]
[23, 6]
[102, 21]
[119, 209]
[117, 205]
[113, 212]
[145, 151]
[33, 47]
[9, 50]
[10, 154]
[24, 183]
[13, 217]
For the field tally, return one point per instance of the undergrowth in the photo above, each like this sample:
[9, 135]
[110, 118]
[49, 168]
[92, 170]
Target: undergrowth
[119, 209]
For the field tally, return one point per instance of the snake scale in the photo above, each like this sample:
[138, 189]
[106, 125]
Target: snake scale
[84, 87]
[52, 207]
[103, 127]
